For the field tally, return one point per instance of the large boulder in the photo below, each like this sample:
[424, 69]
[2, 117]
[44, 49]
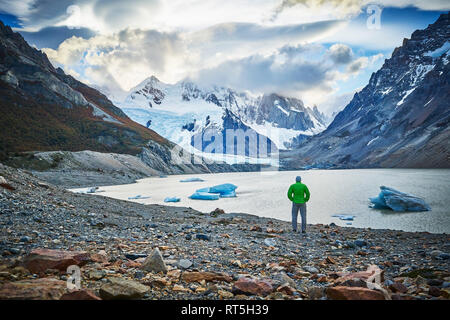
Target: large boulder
[40, 260]
[154, 262]
[353, 293]
[398, 201]
[35, 289]
[123, 289]
[252, 287]
[207, 276]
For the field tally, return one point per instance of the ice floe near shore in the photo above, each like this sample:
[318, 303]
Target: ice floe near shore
[395, 200]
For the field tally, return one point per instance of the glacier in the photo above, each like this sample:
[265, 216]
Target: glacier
[184, 111]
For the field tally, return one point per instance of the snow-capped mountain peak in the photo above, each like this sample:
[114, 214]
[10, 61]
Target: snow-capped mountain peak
[182, 110]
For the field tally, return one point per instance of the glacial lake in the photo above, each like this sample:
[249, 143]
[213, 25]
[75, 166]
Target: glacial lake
[332, 192]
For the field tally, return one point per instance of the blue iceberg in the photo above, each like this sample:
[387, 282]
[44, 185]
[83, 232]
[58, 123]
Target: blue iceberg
[137, 197]
[203, 190]
[344, 217]
[231, 194]
[226, 190]
[398, 201]
[192, 180]
[172, 199]
[204, 196]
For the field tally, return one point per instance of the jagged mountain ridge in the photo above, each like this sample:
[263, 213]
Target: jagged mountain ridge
[188, 110]
[43, 109]
[400, 119]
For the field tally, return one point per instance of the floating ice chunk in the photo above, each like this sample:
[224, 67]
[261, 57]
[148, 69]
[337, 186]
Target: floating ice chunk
[90, 190]
[172, 199]
[398, 201]
[203, 190]
[223, 188]
[231, 194]
[204, 196]
[344, 217]
[137, 197]
[192, 180]
[226, 190]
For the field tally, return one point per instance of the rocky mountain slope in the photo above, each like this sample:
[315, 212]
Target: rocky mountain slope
[186, 112]
[400, 119]
[43, 109]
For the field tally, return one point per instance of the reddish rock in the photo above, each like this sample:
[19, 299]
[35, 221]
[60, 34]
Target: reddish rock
[132, 264]
[398, 287]
[5, 184]
[84, 294]
[362, 275]
[36, 289]
[207, 276]
[330, 260]
[252, 286]
[402, 297]
[40, 260]
[286, 290]
[353, 293]
[100, 257]
[434, 291]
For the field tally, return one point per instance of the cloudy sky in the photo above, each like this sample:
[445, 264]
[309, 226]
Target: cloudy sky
[321, 51]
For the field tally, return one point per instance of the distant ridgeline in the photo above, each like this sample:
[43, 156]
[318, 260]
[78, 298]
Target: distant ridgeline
[400, 119]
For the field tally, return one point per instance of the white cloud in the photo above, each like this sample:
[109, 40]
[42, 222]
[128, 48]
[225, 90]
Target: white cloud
[131, 55]
[332, 9]
[340, 53]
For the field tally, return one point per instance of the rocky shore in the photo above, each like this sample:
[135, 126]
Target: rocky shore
[127, 250]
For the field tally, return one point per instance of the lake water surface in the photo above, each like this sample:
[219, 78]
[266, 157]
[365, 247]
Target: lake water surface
[332, 192]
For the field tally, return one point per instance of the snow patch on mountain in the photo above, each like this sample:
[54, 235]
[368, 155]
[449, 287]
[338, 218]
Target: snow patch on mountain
[184, 110]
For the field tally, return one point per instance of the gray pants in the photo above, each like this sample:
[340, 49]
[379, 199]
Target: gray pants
[295, 208]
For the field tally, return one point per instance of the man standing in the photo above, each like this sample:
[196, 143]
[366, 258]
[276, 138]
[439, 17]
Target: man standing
[299, 194]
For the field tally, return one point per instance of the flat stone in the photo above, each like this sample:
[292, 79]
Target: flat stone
[252, 286]
[200, 236]
[316, 293]
[196, 276]
[40, 260]
[123, 289]
[84, 294]
[353, 293]
[36, 289]
[185, 264]
[134, 256]
[311, 269]
[398, 287]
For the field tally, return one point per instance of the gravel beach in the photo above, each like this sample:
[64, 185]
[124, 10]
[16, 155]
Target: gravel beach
[127, 250]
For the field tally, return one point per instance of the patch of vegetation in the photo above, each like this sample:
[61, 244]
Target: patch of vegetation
[27, 161]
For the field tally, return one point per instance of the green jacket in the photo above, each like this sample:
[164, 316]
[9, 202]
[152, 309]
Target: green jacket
[298, 193]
